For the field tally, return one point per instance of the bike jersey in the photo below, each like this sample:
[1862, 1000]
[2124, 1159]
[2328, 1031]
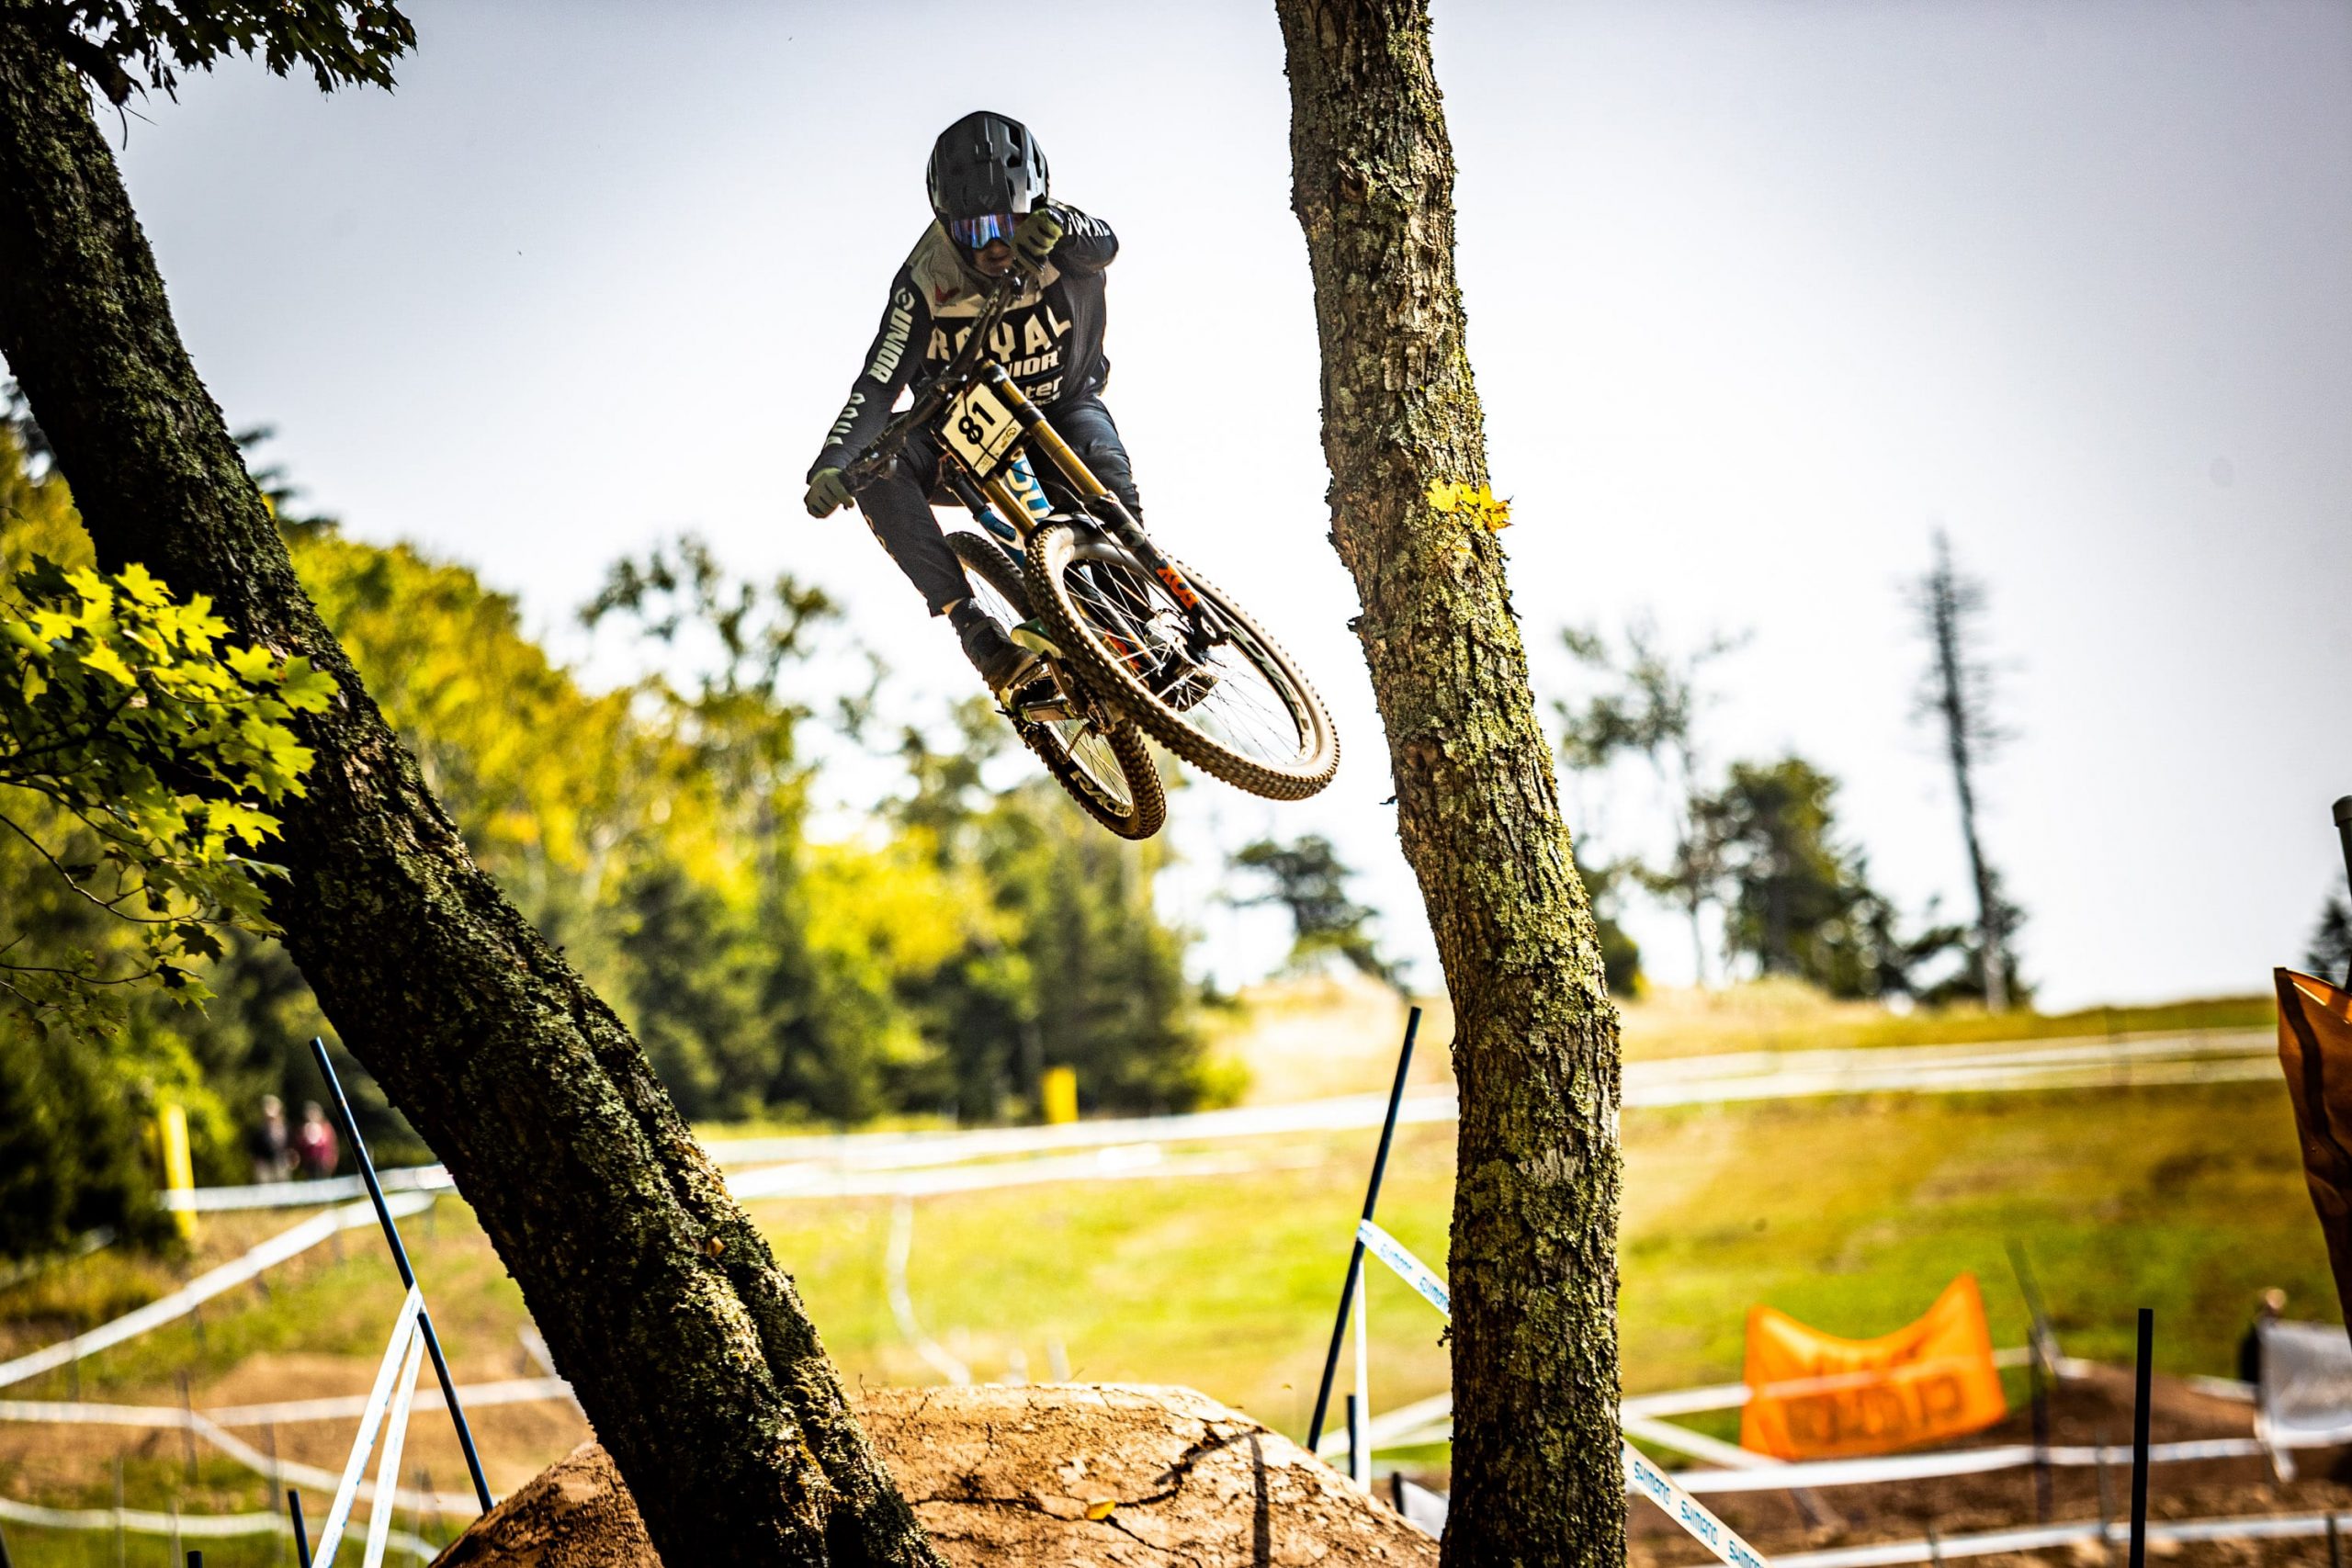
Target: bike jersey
[1050, 339]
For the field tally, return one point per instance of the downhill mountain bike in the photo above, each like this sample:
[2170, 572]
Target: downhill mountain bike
[1131, 640]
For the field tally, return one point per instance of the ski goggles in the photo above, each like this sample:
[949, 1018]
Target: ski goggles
[974, 233]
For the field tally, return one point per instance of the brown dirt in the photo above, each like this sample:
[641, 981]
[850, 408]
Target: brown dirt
[1071, 1474]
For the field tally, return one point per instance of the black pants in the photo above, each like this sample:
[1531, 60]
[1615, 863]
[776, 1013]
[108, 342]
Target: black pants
[898, 504]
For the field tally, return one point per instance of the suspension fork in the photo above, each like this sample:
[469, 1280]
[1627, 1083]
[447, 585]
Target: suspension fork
[991, 512]
[1040, 435]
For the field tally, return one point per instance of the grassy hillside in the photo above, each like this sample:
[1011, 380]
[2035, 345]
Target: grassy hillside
[1849, 1214]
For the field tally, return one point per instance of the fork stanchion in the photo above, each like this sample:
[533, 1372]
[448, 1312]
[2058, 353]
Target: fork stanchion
[1356, 1252]
[301, 1530]
[408, 1275]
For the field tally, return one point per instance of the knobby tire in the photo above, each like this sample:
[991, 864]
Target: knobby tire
[1144, 810]
[1285, 750]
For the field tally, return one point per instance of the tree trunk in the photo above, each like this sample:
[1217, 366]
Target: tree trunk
[1537, 1472]
[688, 1347]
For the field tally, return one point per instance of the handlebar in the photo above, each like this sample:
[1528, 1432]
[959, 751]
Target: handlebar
[932, 395]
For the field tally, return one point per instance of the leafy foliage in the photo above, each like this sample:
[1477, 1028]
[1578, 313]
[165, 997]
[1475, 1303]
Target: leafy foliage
[1309, 881]
[935, 960]
[1648, 707]
[112, 796]
[344, 42]
[1604, 885]
[139, 754]
[75, 1119]
[1077, 969]
[1798, 900]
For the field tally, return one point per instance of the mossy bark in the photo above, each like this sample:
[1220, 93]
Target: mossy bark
[1536, 1472]
[687, 1344]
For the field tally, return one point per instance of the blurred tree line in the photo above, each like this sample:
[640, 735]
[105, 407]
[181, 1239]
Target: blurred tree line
[934, 962]
[1758, 841]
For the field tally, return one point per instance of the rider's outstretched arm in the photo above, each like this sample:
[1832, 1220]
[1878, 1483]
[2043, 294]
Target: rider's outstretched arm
[1087, 243]
[897, 349]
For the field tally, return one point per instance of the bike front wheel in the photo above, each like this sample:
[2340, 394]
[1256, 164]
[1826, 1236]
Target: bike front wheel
[1099, 757]
[1237, 709]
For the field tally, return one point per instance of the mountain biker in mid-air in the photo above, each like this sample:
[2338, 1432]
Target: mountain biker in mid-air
[989, 196]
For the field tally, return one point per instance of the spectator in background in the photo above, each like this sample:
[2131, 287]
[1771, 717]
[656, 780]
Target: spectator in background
[2274, 1301]
[315, 1142]
[268, 1144]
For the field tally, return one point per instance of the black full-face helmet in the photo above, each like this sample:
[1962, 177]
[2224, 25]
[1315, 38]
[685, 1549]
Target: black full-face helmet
[986, 171]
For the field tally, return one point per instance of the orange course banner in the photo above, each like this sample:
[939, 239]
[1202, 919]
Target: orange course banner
[2315, 1051]
[1818, 1397]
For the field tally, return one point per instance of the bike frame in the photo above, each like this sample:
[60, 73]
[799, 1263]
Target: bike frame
[992, 501]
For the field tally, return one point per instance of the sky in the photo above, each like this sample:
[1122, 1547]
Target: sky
[1761, 296]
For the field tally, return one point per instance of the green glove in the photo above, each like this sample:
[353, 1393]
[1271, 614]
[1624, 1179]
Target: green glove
[1034, 237]
[827, 493]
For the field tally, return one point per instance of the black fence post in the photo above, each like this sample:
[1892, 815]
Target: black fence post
[1355, 1253]
[408, 1275]
[2144, 1377]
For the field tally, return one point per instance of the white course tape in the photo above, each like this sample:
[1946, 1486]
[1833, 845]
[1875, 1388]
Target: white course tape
[1732, 1395]
[145, 1521]
[1987, 1543]
[1641, 1475]
[204, 1425]
[388, 1473]
[902, 1303]
[307, 1194]
[203, 1287]
[1391, 1428]
[1698, 1445]
[1955, 1461]
[821, 1164]
[343, 1408]
[1709, 1532]
[1428, 1420]
[1408, 1268]
[286, 1413]
[396, 1352]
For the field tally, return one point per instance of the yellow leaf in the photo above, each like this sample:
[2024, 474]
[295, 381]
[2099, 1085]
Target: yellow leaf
[1477, 502]
[1100, 1508]
[141, 584]
[250, 663]
[107, 662]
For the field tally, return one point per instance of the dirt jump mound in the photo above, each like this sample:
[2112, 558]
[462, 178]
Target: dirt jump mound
[1063, 1474]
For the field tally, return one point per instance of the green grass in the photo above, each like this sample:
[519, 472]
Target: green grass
[1852, 1214]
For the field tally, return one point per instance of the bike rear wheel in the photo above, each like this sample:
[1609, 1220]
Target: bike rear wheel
[1099, 757]
[1241, 711]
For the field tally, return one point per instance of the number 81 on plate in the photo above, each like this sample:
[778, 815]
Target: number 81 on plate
[979, 428]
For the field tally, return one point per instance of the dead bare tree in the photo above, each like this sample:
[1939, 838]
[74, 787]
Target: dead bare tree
[1956, 693]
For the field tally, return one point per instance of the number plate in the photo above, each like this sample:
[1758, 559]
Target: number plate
[980, 429]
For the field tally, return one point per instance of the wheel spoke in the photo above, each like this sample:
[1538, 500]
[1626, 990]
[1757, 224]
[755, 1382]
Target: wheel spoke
[1079, 740]
[1246, 707]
